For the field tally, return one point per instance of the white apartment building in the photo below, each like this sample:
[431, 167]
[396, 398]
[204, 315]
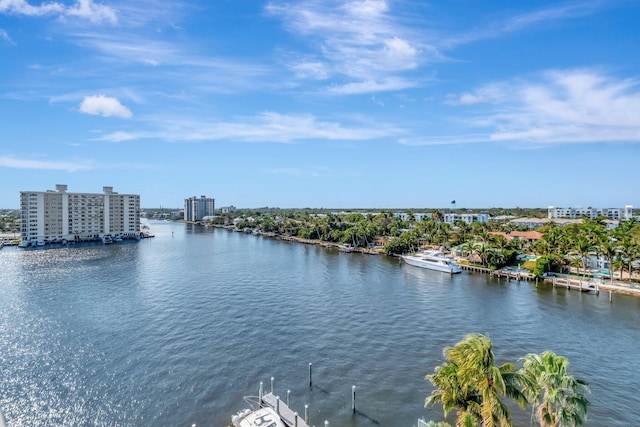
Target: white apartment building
[54, 216]
[195, 209]
[451, 218]
[619, 214]
[417, 216]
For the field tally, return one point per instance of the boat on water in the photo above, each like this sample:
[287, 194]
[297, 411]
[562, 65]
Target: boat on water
[346, 248]
[107, 240]
[260, 417]
[433, 260]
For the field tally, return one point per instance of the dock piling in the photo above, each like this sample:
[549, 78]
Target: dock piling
[288, 395]
[353, 399]
[310, 377]
[260, 394]
[272, 384]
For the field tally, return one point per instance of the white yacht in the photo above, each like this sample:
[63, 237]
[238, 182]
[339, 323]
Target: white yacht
[261, 417]
[433, 260]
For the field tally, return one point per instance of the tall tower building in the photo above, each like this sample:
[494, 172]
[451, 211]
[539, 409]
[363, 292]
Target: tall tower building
[197, 208]
[53, 216]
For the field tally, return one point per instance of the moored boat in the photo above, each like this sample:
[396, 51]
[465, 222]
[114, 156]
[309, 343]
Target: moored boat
[260, 417]
[433, 260]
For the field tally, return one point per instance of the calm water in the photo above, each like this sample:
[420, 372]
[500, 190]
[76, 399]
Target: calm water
[175, 330]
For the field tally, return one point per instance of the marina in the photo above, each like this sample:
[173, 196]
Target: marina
[174, 330]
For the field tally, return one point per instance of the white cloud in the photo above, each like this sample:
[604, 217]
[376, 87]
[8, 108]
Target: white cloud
[21, 7]
[86, 9]
[357, 40]
[465, 99]
[106, 106]
[311, 70]
[524, 21]
[5, 36]
[118, 136]
[264, 127]
[573, 106]
[11, 162]
[371, 86]
[446, 139]
[563, 106]
[95, 13]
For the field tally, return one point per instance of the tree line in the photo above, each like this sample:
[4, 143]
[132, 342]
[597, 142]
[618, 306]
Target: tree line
[560, 249]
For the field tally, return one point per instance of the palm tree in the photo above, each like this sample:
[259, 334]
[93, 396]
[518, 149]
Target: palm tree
[608, 250]
[452, 396]
[618, 264]
[583, 247]
[559, 399]
[470, 382]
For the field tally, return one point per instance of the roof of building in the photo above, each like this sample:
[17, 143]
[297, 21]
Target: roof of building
[529, 235]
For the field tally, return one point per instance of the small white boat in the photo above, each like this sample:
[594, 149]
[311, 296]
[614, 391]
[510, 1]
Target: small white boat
[433, 260]
[346, 248]
[260, 417]
[107, 240]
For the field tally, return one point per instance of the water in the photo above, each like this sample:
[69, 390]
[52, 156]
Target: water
[175, 330]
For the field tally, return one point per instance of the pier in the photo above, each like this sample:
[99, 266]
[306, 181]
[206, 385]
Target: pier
[288, 416]
[475, 269]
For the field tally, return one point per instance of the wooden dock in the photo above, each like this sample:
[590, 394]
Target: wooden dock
[474, 268]
[581, 285]
[289, 417]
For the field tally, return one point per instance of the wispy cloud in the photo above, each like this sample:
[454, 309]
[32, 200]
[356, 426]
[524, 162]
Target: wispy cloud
[570, 106]
[524, 21]
[557, 107]
[15, 163]
[265, 127]
[5, 36]
[446, 139]
[105, 106]
[355, 39]
[85, 9]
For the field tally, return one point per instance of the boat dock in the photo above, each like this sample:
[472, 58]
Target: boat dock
[475, 269]
[288, 416]
[581, 285]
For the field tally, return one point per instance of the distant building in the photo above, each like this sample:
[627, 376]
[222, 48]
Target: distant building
[417, 216]
[54, 216]
[530, 236]
[228, 209]
[451, 218]
[197, 208]
[538, 222]
[619, 214]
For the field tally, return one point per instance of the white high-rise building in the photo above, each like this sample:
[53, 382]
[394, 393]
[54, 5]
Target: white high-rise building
[53, 216]
[197, 208]
[620, 214]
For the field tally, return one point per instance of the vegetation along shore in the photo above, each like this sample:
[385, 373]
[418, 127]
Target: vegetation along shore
[564, 252]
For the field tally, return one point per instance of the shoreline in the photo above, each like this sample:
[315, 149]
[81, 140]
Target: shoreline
[623, 288]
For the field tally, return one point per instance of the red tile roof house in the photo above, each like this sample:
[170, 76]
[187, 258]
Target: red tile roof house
[531, 236]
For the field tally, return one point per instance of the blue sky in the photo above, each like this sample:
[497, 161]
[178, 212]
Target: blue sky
[321, 103]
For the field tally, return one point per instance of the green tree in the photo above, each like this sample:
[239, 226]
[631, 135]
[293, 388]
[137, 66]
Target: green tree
[470, 382]
[558, 398]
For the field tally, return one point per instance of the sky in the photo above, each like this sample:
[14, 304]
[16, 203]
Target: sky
[323, 103]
